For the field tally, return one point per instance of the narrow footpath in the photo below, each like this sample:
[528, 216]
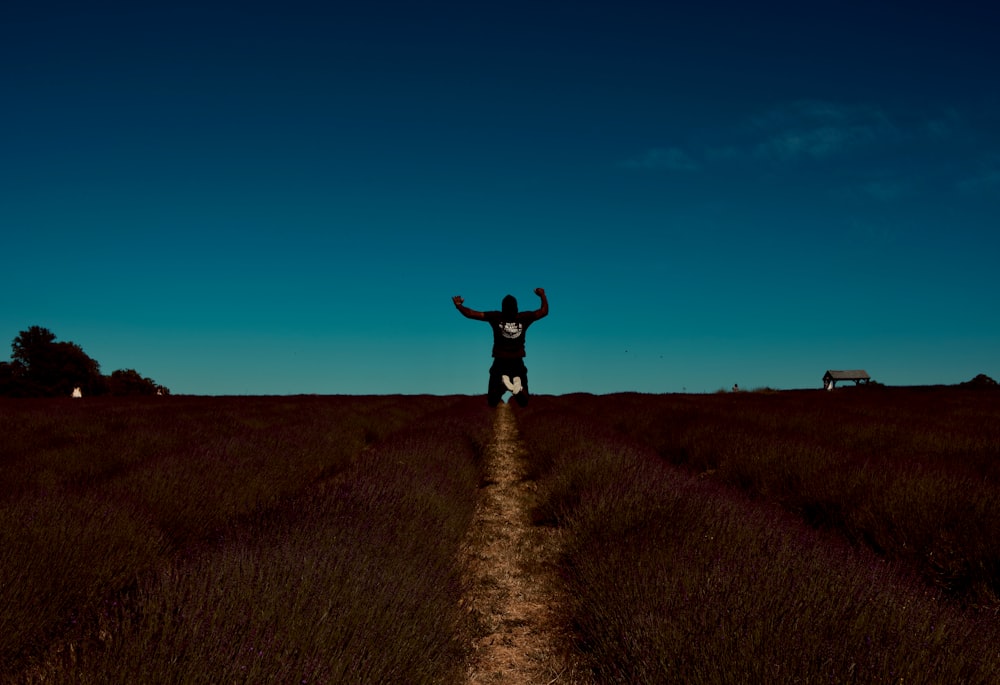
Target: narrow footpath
[513, 592]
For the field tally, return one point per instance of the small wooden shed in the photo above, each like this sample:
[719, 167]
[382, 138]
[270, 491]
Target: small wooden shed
[859, 376]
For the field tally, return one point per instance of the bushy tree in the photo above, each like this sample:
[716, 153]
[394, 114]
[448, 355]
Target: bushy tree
[42, 367]
[129, 382]
[30, 346]
[9, 381]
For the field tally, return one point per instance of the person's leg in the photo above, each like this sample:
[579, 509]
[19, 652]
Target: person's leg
[496, 388]
[522, 397]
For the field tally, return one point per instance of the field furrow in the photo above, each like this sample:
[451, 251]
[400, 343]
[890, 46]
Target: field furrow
[514, 595]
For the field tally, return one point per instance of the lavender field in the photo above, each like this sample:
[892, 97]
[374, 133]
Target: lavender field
[799, 537]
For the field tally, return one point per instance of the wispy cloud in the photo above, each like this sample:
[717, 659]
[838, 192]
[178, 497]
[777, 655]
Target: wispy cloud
[872, 153]
[987, 181]
[668, 158]
[820, 130]
[886, 189]
[944, 126]
[802, 130]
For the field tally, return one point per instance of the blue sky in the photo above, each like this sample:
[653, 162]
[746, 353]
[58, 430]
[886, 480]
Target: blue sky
[278, 198]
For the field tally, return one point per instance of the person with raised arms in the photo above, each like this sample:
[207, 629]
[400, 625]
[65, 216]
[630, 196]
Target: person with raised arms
[509, 325]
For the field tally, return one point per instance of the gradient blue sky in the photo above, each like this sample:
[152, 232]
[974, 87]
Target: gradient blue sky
[278, 198]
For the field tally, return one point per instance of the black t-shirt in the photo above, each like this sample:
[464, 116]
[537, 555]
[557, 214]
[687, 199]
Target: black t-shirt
[508, 333]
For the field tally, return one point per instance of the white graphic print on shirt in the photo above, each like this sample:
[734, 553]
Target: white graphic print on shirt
[511, 329]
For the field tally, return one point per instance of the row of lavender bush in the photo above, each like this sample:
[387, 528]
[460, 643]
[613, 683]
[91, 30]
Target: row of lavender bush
[911, 473]
[680, 577]
[236, 539]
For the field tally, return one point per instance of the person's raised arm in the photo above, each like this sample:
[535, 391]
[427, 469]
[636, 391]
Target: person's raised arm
[544, 309]
[466, 312]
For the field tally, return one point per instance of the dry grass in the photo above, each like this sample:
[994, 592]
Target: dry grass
[514, 594]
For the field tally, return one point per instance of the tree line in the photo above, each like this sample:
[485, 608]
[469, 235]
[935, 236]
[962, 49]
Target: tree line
[40, 366]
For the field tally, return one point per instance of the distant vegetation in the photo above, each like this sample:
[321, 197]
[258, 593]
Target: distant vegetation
[799, 536]
[981, 381]
[42, 367]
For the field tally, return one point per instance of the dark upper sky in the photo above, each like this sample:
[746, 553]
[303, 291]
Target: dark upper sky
[265, 198]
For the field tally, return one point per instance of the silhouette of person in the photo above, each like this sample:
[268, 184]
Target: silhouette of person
[508, 371]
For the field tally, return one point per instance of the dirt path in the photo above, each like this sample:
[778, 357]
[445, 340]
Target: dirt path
[511, 574]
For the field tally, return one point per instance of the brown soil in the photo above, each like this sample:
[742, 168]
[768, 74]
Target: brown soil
[513, 592]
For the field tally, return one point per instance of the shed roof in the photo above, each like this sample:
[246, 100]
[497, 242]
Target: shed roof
[846, 375]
